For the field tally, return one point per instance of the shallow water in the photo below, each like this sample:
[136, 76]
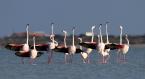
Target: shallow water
[11, 68]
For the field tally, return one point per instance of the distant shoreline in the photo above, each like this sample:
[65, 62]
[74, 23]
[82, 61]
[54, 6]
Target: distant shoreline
[138, 45]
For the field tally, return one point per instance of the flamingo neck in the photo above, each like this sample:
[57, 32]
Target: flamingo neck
[65, 40]
[107, 33]
[92, 35]
[127, 40]
[73, 39]
[34, 42]
[100, 34]
[56, 43]
[27, 34]
[52, 33]
[52, 38]
[121, 37]
[98, 39]
[52, 29]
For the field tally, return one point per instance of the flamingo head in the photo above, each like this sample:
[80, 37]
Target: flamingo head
[80, 39]
[98, 36]
[121, 27]
[73, 28]
[126, 35]
[93, 27]
[52, 23]
[64, 31]
[100, 26]
[27, 26]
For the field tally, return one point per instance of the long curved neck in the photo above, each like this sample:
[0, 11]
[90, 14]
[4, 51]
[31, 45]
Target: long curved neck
[107, 40]
[52, 29]
[98, 38]
[52, 38]
[65, 40]
[127, 40]
[56, 43]
[92, 39]
[121, 34]
[100, 34]
[73, 43]
[34, 42]
[27, 39]
[52, 32]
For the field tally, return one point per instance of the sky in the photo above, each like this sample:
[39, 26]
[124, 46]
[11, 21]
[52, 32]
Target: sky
[65, 14]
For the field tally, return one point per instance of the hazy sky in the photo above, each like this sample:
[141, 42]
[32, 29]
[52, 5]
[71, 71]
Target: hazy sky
[15, 14]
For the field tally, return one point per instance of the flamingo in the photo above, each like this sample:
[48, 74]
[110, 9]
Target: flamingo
[26, 54]
[84, 54]
[33, 52]
[26, 45]
[65, 49]
[72, 48]
[66, 53]
[123, 48]
[101, 44]
[20, 47]
[92, 44]
[52, 44]
[107, 40]
[101, 47]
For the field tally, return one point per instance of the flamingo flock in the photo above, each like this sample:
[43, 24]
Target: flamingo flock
[84, 49]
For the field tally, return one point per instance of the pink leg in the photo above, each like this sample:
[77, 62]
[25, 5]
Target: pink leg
[22, 60]
[31, 61]
[66, 59]
[118, 56]
[124, 58]
[50, 57]
[88, 59]
[107, 58]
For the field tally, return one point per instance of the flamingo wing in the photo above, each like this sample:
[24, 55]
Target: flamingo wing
[41, 47]
[61, 49]
[89, 45]
[113, 46]
[27, 54]
[14, 47]
[78, 50]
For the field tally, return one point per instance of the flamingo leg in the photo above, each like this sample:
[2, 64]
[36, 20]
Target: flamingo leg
[22, 60]
[107, 58]
[32, 61]
[103, 59]
[83, 59]
[124, 58]
[71, 56]
[50, 56]
[88, 59]
[66, 58]
[119, 57]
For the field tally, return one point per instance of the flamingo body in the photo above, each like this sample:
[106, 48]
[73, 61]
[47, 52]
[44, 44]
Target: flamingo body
[25, 48]
[26, 54]
[72, 49]
[91, 45]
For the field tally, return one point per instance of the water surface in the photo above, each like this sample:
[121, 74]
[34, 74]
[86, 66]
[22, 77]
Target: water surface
[11, 68]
